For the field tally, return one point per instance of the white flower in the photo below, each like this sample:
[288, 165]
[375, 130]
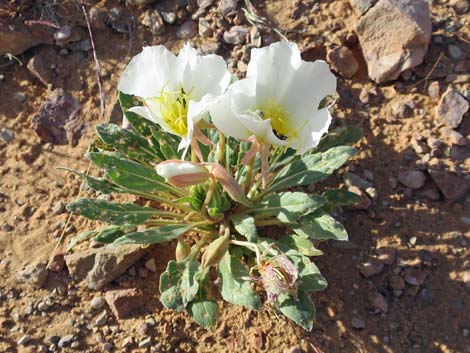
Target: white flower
[182, 173]
[176, 90]
[278, 102]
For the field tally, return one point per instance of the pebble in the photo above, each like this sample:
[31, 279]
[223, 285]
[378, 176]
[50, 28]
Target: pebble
[127, 342]
[34, 274]
[204, 27]
[102, 319]
[24, 340]
[378, 301]
[386, 255]
[455, 52]
[414, 179]
[64, 33]
[397, 282]
[415, 277]
[452, 108]
[371, 267]
[150, 265]
[169, 17]
[58, 208]
[187, 30]
[6, 135]
[343, 61]
[434, 90]
[147, 342]
[236, 35]
[97, 303]
[227, 6]
[107, 347]
[358, 323]
[153, 20]
[65, 341]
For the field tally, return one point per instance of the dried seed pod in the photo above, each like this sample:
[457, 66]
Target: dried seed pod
[182, 250]
[215, 251]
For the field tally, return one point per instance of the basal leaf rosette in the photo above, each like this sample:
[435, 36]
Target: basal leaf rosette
[249, 145]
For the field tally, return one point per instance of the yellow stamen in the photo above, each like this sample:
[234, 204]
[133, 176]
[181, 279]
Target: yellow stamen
[279, 120]
[174, 110]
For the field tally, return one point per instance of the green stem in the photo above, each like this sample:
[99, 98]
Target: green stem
[248, 245]
[195, 250]
[221, 148]
[210, 192]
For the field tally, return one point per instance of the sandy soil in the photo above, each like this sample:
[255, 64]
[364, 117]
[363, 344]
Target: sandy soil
[433, 317]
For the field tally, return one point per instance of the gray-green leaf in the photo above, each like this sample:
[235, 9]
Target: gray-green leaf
[179, 284]
[245, 225]
[300, 310]
[321, 227]
[289, 206]
[312, 168]
[110, 212]
[236, 288]
[97, 184]
[155, 235]
[345, 135]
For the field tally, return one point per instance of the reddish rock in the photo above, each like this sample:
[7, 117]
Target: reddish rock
[343, 61]
[452, 107]
[227, 7]
[236, 35]
[394, 36]
[452, 186]
[124, 302]
[38, 66]
[371, 267]
[17, 37]
[58, 119]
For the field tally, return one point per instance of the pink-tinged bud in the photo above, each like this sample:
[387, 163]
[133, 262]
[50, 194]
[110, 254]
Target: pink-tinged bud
[181, 173]
[229, 183]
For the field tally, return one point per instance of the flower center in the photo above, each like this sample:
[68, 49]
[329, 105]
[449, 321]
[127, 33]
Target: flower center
[174, 110]
[279, 120]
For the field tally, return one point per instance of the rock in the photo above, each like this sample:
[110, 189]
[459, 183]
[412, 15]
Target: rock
[38, 66]
[413, 179]
[236, 35]
[378, 301]
[394, 36]
[34, 274]
[58, 208]
[227, 7]
[169, 17]
[101, 319]
[150, 265]
[124, 302]
[127, 342]
[400, 109]
[205, 29]
[17, 37]
[294, 350]
[6, 135]
[100, 266]
[63, 34]
[462, 66]
[209, 47]
[386, 255]
[255, 37]
[343, 61]
[97, 18]
[107, 347]
[58, 120]
[187, 30]
[415, 277]
[153, 20]
[371, 267]
[97, 303]
[455, 137]
[139, 3]
[358, 323]
[452, 108]
[24, 340]
[434, 90]
[460, 6]
[452, 186]
[455, 52]
[65, 341]
[362, 5]
[145, 343]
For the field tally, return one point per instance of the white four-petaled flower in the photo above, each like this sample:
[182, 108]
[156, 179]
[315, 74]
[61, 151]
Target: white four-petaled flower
[176, 90]
[278, 101]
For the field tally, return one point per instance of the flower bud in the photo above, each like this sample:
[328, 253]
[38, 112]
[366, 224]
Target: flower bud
[181, 173]
[182, 250]
[215, 251]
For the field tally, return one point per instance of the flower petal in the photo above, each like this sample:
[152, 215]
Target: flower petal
[148, 72]
[310, 135]
[262, 129]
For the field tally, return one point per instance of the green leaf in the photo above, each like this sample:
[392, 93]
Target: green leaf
[140, 124]
[168, 143]
[345, 135]
[235, 288]
[97, 184]
[245, 225]
[310, 278]
[289, 206]
[321, 227]
[203, 309]
[79, 238]
[129, 174]
[110, 234]
[338, 197]
[311, 168]
[110, 212]
[155, 235]
[128, 142]
[301, 244]
[300, 310]
[179, 284]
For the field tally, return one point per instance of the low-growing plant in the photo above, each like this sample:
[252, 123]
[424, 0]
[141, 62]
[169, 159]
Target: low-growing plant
[214, 163]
